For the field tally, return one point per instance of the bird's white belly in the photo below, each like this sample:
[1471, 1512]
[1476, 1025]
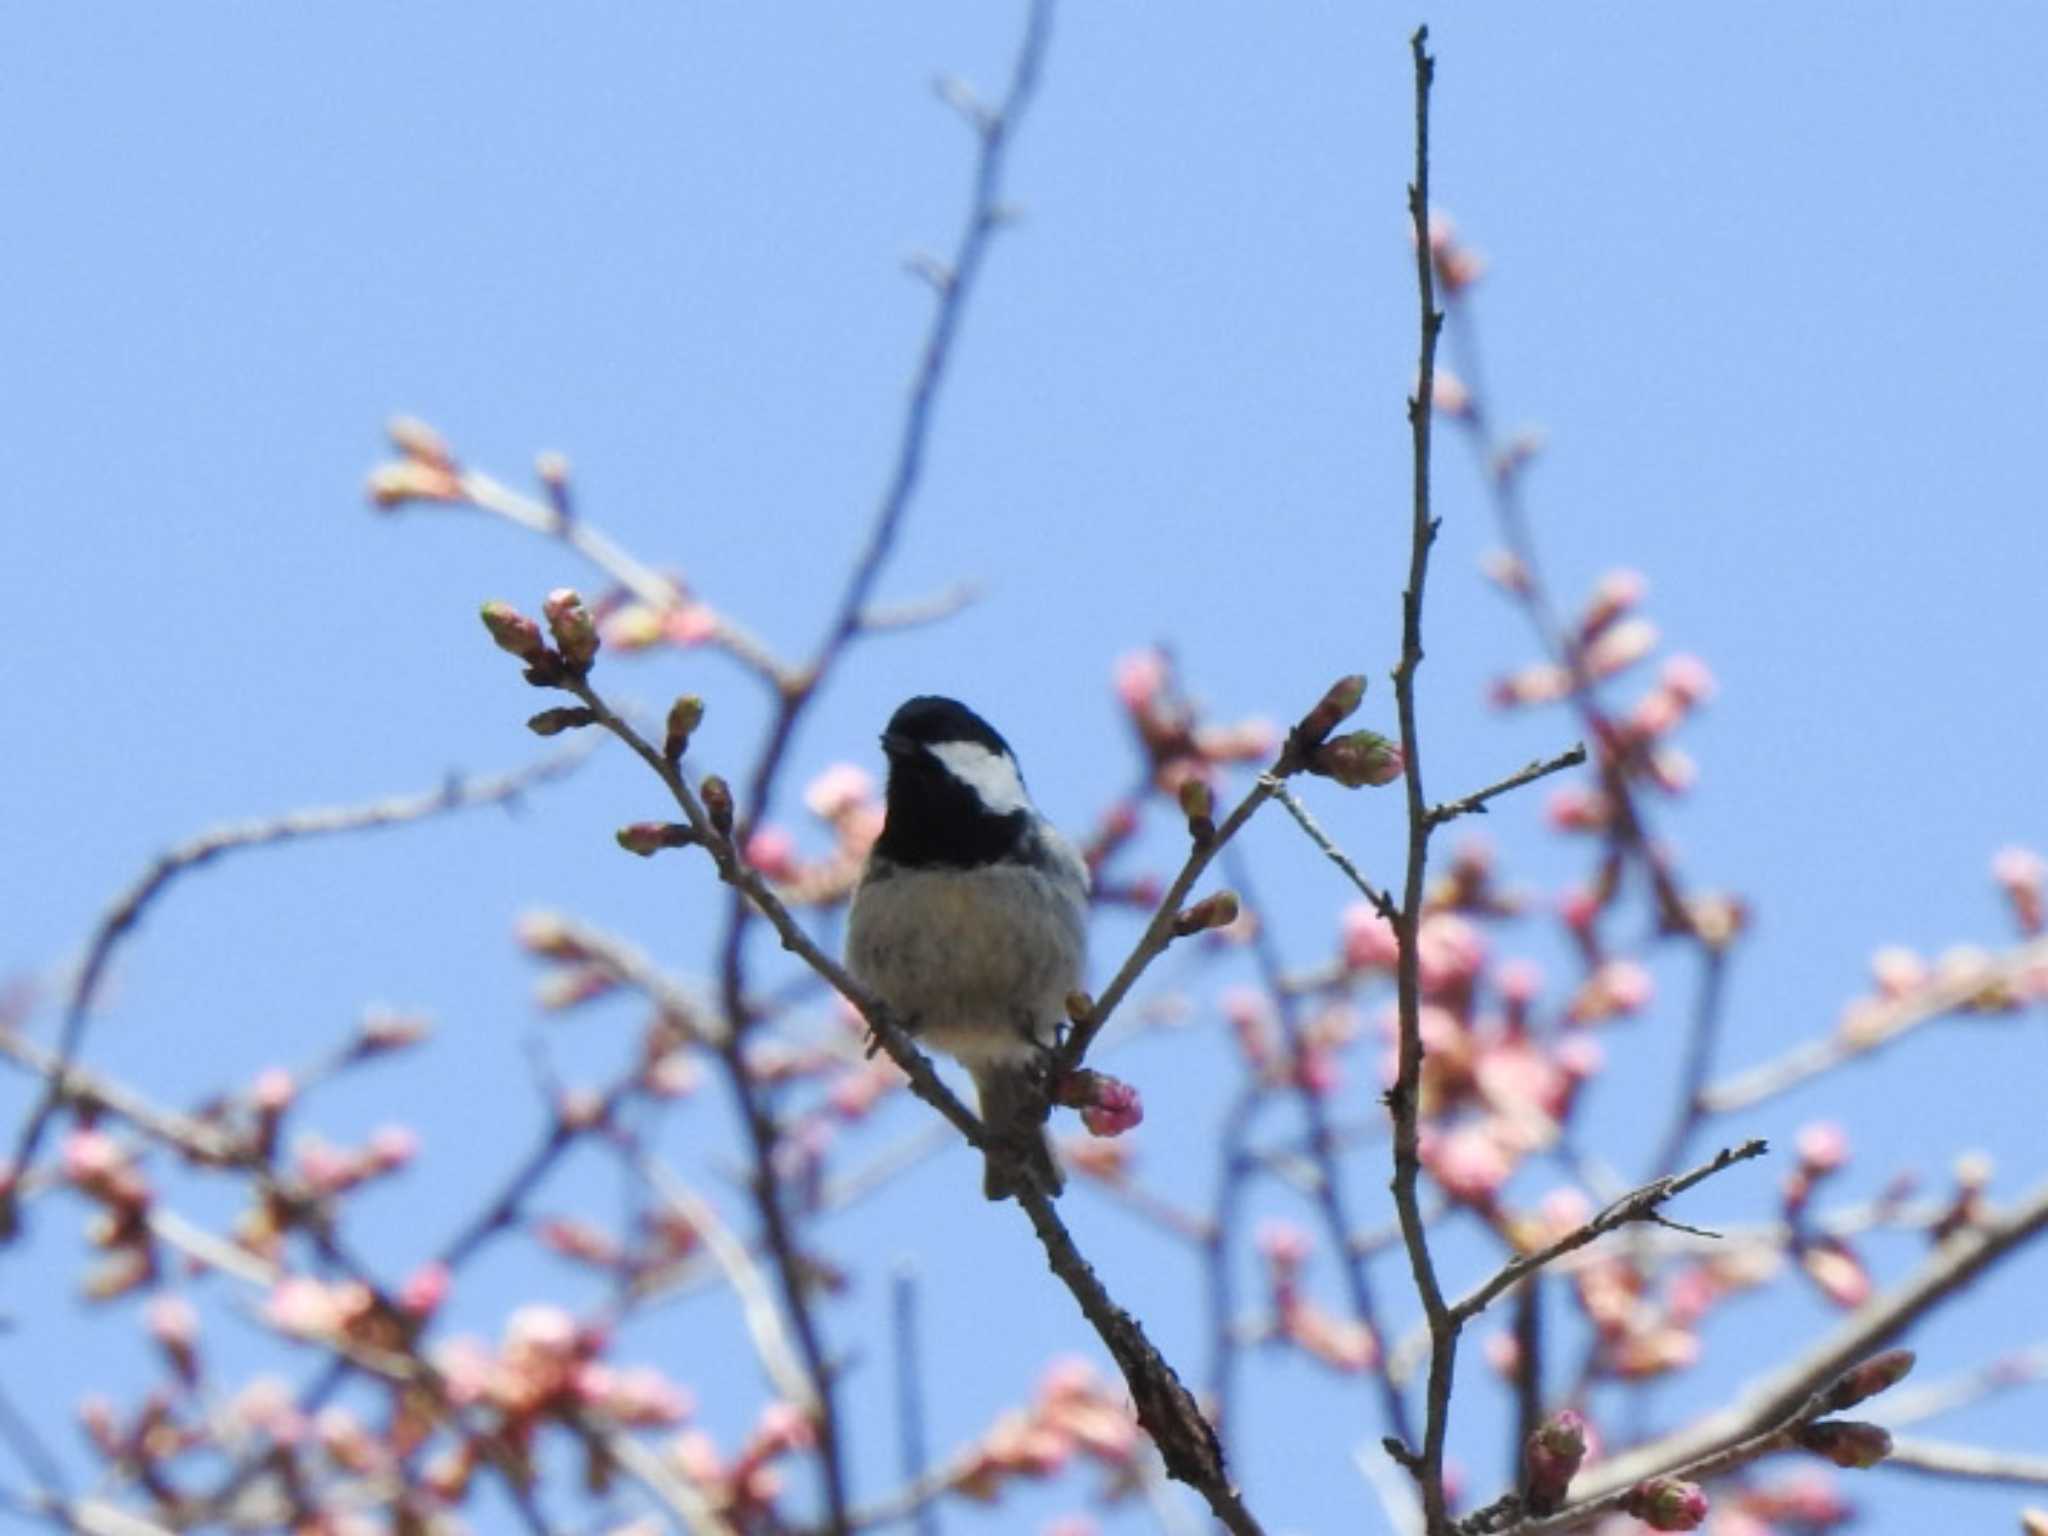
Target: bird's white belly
[979, 962]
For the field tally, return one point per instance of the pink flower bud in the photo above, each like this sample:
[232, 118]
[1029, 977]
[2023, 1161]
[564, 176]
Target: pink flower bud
[570, 622]
[513, 631]
[1688, 679]
[1116, 1108]
[1619, 647]
[1667, 1504]
[1368, 939]
[1835, 1269]
[1286, 1246]
[772, 851]
[839, 790]
[273, 1091]
[1449, 954]
[1823, 1147]
[425, 1289]
[691, 625]
[2022, 874]
[1550, 1460]
[1616, 594]
[634, 627]
[392, 1147]
[1358, 760]
[1471, 1163]
[1848, 1443]
[1139, 678]
[1880, 1373]
[1505, 571]
[1449, 395]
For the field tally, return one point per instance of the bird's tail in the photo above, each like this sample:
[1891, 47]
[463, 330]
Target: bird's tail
[1008, 1103]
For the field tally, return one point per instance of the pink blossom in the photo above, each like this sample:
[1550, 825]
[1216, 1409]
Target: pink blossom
[841, 788]
[1899, 971]
[93, 1160]
[1688, 678]
[784, 1427]
[691, 624]
[1616, 593]
[1139, 678]
[1367, 939]
[1285, 1245]
[1519, 982]
[1577, 808]
[1673, 770]
[1449, 952]
[268, 1405]
[1470, 1163]
[1823, 1146]
[392, 1147]
[273, 1091]
[772, 851]
[1621, 646]
[172, 1321]
[1250, 1014]
[425, 1289]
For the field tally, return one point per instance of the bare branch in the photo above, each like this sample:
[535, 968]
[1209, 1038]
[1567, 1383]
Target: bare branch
[1883, 1024]
[1638, 1205]
[1974, 1463]
[1428, 1465]
[1475, 802]
[1381, 901]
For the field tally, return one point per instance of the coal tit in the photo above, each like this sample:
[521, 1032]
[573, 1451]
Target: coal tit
[970, 919]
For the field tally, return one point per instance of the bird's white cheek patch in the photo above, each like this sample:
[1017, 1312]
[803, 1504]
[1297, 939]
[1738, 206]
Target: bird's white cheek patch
[990, 775]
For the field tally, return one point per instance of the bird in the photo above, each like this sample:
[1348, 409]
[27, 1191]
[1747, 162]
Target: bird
[970, 921]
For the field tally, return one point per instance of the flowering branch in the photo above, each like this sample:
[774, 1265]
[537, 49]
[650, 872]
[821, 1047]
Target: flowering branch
[130, 906]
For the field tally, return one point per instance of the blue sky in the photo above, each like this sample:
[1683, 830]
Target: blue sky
[1769, 280]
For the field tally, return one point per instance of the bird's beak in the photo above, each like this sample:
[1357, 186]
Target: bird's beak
[896, 744]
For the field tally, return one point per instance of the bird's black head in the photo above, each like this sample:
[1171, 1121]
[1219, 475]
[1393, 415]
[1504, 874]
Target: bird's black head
[955, 797]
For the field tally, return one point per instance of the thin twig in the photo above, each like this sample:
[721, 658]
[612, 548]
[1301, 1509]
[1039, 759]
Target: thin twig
[911, 1457]
[1403, 1099]
[1638, 1205]
[1475, 802]
[1973, 1463]
[1381, 901]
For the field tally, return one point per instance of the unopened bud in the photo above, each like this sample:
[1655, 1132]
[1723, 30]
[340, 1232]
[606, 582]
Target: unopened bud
[1358, 759]
[1848, 1443]
[717, 803]
[515, 632]
[552, 722]
[1331, 711]
[684, 716]
[416, 440]
[1080, 1008]
[648, 838]
[1667, 1504]
[1880, 1373]
[1551, 1459]
[573, 629]
[1217, 911]
[1198, 804]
